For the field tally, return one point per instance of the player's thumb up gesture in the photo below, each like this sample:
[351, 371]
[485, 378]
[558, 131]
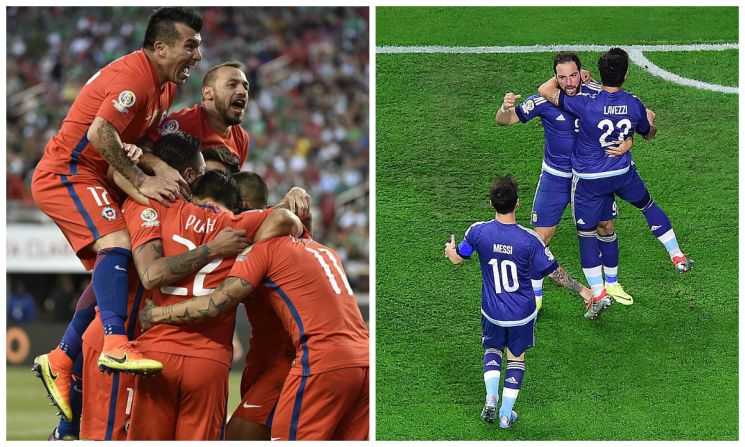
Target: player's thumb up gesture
[509, 101]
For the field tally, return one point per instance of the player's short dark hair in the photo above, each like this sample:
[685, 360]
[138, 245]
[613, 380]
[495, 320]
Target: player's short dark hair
[209, 77]
[503, 195]
[178, 150]
[563, 57]
[613, 67]
[223, 156]
[162, 25]
[252, 188]
[217, 186]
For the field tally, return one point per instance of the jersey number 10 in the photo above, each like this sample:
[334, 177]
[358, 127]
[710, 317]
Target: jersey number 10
[505, 272]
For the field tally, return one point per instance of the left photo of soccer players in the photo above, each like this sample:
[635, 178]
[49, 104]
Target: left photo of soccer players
[187, 223]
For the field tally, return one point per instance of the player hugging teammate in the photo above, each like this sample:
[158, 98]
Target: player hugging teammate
[588, 130]
[131, 191]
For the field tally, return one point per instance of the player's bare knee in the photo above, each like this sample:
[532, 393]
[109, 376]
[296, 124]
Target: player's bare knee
[511, 356]
[117, 239]
[546, 233]
[606, 228]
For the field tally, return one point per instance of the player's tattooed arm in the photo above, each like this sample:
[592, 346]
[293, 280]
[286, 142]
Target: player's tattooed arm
[105, 138]
[562, 278]
[225, 298]
[550, 90]
[155, 270]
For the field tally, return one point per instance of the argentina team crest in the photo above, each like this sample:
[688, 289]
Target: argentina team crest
[527, 106]
[126, 100]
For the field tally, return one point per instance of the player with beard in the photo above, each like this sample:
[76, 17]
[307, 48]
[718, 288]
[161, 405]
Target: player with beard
[114, 110]
[216, 122]
[553, 192]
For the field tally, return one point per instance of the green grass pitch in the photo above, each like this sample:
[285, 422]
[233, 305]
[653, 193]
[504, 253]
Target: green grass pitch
[662, 369]
[29, 416]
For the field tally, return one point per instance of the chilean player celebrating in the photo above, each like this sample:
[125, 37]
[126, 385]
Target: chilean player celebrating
[325, 395]
[116, 107]
[601, 173]
[216, 122]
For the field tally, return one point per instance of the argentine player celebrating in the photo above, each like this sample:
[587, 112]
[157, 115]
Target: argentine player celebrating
[511, 256]
[553, 192]
[601, 172]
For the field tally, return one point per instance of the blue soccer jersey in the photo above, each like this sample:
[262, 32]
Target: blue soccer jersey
[560, 130]
[510, 256]
[604, 118]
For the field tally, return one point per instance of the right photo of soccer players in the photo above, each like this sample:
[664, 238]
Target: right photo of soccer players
[557, 252]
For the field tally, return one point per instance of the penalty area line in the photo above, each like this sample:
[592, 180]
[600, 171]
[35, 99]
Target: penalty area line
[636, 54]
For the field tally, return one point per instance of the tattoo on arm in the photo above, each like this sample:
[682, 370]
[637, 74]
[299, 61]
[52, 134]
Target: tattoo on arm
[110, 148]
[162, 271]
[226, 297]
[562, 278]
[554, 99]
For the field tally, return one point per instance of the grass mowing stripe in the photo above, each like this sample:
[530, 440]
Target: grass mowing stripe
[473, 26]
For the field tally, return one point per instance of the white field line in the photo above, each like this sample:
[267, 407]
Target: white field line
[636, 54]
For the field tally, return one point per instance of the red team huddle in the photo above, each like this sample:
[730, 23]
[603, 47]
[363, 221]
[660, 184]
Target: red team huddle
[306, 374]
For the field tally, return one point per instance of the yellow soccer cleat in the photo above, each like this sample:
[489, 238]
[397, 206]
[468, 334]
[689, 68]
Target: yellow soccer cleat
[57, 381]
[126, 358]
[619, 295]
[538, 302]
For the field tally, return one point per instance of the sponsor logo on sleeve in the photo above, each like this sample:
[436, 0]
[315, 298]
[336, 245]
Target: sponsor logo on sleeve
[549, 255]
[126, 100]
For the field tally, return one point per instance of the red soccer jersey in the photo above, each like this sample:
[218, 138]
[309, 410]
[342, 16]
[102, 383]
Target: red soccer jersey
[311, 295]
[183, 227]
[270, 345]
[128, 94]
[194, 122]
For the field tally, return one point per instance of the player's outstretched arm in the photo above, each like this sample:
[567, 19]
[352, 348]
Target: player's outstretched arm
[506, 114]
[225, 298]
[280, 223]
[562, 278]
[451, 253]
[651, 116]
[550, 90]
[155, 270]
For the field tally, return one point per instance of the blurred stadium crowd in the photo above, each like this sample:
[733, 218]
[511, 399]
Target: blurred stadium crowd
[308, 70]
